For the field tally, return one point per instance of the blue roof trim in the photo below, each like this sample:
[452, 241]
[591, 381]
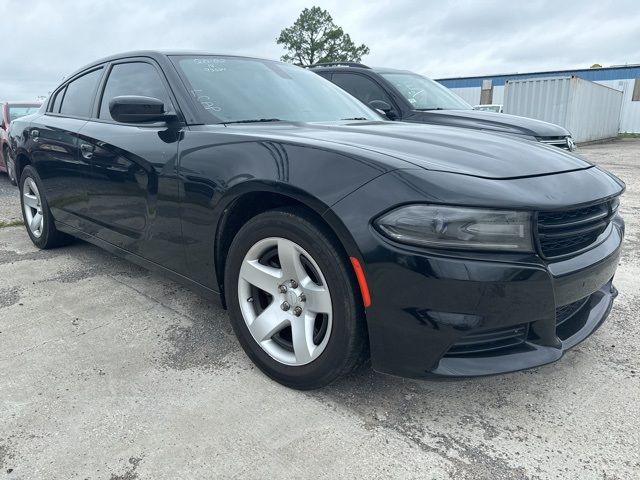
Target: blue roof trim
[592, 74]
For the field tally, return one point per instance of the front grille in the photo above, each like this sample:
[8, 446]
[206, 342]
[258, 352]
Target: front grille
[565, 312]
[565, 232]
[490, 340]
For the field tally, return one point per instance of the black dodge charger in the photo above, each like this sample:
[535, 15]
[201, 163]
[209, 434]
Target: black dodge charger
[331, 235]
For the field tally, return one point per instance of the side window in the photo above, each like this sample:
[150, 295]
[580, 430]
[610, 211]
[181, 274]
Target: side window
[326, 75]
[361, 87]
[136, 78]
[55, 108]
[78, 100]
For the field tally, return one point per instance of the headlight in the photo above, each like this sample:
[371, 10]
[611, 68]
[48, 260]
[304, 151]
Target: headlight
[458, 228]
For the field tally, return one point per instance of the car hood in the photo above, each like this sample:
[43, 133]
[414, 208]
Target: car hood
[455, 150]
[498, 122]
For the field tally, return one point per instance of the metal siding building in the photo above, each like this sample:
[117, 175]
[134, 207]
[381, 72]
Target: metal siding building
[621, 78]
[590, 111]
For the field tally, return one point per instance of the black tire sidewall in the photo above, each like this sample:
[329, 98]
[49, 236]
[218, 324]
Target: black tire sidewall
[340, 348]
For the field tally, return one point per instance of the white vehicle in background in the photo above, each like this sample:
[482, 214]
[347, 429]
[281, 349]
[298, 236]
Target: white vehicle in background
[495, 107]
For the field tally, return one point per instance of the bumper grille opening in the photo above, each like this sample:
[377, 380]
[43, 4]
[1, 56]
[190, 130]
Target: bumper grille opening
[565, 312]
[565, 232]
[502, 339]
[490, 340]
[571, 318]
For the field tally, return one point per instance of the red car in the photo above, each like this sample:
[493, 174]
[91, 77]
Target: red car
[9, 111]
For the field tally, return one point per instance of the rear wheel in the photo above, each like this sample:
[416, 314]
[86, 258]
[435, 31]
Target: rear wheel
[292, 302]
[10, 165]
[36, 214]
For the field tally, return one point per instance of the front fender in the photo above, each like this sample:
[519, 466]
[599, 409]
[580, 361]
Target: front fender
[217, 168]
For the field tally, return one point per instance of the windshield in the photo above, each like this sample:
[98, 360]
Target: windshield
[17, 111]
[425, 94]
[232, 89]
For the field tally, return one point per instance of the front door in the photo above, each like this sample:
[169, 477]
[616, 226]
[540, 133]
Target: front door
[133, 183]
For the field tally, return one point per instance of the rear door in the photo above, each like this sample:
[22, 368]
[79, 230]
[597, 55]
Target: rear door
[133, 183]
[53, 148]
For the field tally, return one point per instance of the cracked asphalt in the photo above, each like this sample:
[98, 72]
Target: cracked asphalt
[108, 371]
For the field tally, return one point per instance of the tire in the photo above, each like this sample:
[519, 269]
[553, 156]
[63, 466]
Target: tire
[36, 213]
[9, 165]
[322, 335]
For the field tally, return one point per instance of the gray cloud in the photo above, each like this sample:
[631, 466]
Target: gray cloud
[48, 40]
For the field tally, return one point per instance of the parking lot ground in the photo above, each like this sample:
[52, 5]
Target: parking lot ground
[109, 371]
[9, 202]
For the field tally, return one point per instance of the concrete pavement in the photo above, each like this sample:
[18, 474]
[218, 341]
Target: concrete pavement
[110, 372]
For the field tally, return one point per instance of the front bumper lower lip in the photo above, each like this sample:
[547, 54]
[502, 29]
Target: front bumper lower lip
[437, 301]
[531, 354]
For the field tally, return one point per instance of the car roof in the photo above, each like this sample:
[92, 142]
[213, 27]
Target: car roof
[345, 67]
[393, 70]
[158, 54]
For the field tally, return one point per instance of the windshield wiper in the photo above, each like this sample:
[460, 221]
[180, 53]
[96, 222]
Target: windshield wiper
[355, 118]
[427, 109]
[254, 120]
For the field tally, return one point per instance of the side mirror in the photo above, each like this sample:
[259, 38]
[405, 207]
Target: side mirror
[3, 125]
[383, 107]
[138, 109]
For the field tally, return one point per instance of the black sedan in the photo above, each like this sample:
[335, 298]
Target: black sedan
[331, 235]
[408, 97]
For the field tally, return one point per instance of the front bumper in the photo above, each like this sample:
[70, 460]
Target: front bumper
[431, 311]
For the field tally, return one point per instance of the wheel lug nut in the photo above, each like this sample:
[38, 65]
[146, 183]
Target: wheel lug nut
[282, 288]
[297, 311]
[293, 284]
[285, 306]
[302, 297]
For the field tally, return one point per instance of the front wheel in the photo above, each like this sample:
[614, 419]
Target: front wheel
[292, 300]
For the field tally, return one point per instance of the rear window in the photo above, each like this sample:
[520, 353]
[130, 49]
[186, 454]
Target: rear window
[57, 101]
[78, 99]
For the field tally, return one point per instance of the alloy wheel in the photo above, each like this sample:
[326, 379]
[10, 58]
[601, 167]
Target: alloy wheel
[10, 168]
[32, 205]
[285, 301]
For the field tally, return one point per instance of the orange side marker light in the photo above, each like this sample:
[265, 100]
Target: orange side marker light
[362, 281]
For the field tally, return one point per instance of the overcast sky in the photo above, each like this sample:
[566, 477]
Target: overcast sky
[45, 40]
